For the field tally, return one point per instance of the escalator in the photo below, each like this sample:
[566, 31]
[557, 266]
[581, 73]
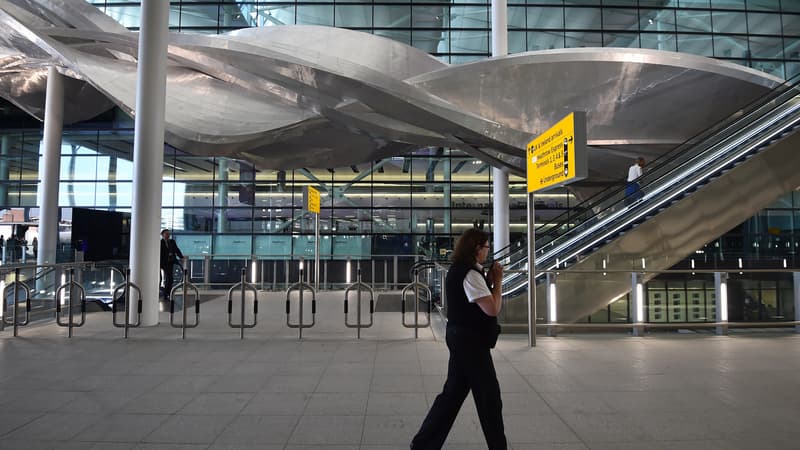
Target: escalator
[692, 195]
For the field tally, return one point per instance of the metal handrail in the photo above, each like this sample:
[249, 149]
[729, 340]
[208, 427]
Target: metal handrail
[415, 285]
[16, 285]
[244, 286]
[300, 286]
[72, 285]
[126, 286]
[358, 286]
[184, 287]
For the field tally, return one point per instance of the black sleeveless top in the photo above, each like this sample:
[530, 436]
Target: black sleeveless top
[460, 312]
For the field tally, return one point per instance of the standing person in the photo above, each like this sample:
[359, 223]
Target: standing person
[473, 302]
[633, 191]
[35, 245]
[169, 256]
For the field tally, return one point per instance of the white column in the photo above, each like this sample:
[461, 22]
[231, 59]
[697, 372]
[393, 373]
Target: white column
[148, 154]
[447, 220]
[500, 227]
[222, 191]
[50, 167]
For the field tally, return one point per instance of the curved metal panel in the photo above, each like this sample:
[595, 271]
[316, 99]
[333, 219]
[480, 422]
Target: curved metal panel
[283, 97]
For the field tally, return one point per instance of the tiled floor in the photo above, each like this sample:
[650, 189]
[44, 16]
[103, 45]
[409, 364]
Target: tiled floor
[273, 391]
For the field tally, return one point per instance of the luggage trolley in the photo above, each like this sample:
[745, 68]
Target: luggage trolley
[14, 320]
[184, 287]
[125, 290]
[416, 286]
[301, 286]
[358, 286]
[243, 286]
[73, 286]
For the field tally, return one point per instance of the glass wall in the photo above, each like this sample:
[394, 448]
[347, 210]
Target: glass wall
[763, 34]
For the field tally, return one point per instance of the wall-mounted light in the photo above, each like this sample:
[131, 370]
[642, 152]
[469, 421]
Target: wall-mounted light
[639, 303]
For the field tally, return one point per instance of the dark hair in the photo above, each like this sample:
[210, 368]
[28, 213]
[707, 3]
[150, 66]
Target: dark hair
[467, 246]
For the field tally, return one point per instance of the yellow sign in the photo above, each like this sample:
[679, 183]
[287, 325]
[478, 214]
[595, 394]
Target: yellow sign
[558, 156]
[311, 199]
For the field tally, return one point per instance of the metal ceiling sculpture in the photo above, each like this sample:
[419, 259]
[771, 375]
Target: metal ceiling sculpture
[308, 96]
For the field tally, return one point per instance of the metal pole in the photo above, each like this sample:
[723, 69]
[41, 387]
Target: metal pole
[386, 274]
[316, 252]
[148, 153]
[16, 300]
[531, 273]
[358, 306]
[128, 301]
[244, 280]
[416, 305]
[71, 292]
[395, 271]
[300, 320]
[184, 305]
[500, 210]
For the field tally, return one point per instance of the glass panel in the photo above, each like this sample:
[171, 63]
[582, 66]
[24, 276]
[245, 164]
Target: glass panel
[729, 22]
[620, 19]
[764, 23]
[469, 17]
[582, 18]
[695, 44]
[516, 17]
[766, 47]
[767, 5]
[791, 24]
[730, 46]
[619, 310]
[657, 20]
[517, 41]
[392, 16]
[430, 17]
[469, 42]
[728, 4]
[315, 15]
[771, 67]
[545, 18]
[583, 40]
[198, 16]
[354, 16]
[693, 3]
[699, 21]
[625, 40]
[545, 40]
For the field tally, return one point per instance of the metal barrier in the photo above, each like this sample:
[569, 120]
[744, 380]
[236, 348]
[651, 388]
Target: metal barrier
[184, 287]
[73, 286]
[16, 285]
[358, 286]
[244, 286]
[126, 287]
[416, 285]
[299, 286]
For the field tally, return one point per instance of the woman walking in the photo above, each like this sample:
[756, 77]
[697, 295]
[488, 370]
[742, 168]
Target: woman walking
[473, 302]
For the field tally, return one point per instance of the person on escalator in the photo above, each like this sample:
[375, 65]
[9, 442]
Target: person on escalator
[633, 191]
[473, 302]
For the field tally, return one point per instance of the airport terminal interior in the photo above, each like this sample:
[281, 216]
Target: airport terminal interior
[320, 160]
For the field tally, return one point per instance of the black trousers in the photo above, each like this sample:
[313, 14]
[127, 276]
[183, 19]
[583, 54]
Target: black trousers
[168, 280]
[470, 369]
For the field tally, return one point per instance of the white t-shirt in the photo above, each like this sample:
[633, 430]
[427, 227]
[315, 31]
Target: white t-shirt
[634, 172]
[475, 286]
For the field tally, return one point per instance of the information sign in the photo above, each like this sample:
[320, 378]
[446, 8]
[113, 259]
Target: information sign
[558, 156]
[311, 199]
